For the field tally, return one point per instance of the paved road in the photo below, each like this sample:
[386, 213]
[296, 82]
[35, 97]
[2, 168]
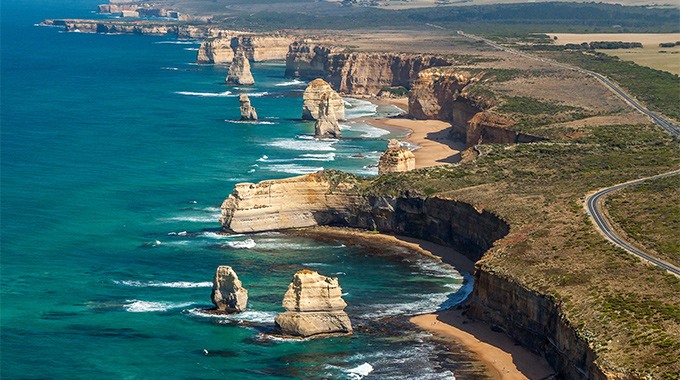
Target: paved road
[603, 225]
[660, 121]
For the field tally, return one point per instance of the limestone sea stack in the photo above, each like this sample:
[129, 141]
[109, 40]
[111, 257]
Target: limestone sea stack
[312, 96]
[314, 306]
[228, 294]
[396, 159]
[239, 71]
[326, 126]
[247, 111]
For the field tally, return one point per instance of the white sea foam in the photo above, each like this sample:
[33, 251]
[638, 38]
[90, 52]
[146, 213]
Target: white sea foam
[252, 316]
[316, 265]
[207, 94]
[366, 130]
[316, 157]
[191, 49]
[257, 122]
[360, 372]
[359, 108]
[292, 169]
[157, 284]
[263, 158]
[366, 170]
[309, 145]
[170, 68]
[242, 244]
[294, 82]
[215, 235]
[194, 219]
[137, 306]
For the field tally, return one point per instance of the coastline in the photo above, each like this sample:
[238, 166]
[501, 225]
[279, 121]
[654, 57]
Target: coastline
[504, 359]
[432, 137]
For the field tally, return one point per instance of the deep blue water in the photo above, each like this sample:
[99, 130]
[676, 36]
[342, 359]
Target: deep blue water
[116, 154]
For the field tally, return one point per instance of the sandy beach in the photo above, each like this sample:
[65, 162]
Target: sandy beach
[505, 359]
[432, 136]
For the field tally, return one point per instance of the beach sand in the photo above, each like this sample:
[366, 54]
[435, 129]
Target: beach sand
[505, 359]
[432, 136]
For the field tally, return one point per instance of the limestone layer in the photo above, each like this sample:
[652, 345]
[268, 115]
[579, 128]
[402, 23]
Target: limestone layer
[357, 73]
[326, 126]
[247, 111]
[396, 159]
[239, 71]
[445, 94]
[221, 49]
[312, 98]
[228, 293]
[295, 202]
[313, 305]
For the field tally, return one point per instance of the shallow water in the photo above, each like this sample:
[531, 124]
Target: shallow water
[116, 154]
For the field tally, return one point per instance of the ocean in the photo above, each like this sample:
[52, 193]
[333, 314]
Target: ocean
[117, 152]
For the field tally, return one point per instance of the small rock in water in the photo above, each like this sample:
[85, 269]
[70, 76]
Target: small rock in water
[247, 111]
[314, 305]
[228, 294]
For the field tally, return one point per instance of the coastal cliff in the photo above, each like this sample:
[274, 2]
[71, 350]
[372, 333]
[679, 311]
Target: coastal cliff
[446, 94]
[257, 48]
[357, 73]
[333, 198]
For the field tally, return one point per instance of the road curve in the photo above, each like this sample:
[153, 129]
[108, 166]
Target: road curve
[605, 227]
[666, 125]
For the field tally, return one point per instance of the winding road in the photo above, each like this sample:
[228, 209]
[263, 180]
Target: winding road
[593, 200]
[605, 227]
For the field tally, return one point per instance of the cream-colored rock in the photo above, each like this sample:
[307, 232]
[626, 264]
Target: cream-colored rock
[296, 202]
[313, 305]
[247, 111]
[396, 159]
[312, 97]
[239, 71]
[216, 50]
[326, 126]
[228, 293]
[393, 143]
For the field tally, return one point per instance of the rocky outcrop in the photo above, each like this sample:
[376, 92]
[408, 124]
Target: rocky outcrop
[396, 159]
[115, 27]
[357, 73]
[312, 98]
[331, 198]
[326, 126]
[393, 143]
[444, 94]
[247, 111]
[239, 71]
[221, 49]
[296, 202]
[228, 294]
[314, 306]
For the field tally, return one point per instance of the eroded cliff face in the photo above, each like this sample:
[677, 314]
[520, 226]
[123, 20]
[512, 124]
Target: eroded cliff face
[111, 27]
[357, 73]
[221, 49]
[445, 94]
[533, 319]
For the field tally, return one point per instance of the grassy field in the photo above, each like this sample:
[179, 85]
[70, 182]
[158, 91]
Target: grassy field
[628, 311]
[651, 55]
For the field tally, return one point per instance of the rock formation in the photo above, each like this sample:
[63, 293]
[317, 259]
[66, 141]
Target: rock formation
[313, 305]
[444, 94]
[326, 126]
[221, 49]
[312, 97]
[247, 111]
[239, 71]
[295, 202]
[227, 293]
[393, 143]
[357, 73]
[396, 159]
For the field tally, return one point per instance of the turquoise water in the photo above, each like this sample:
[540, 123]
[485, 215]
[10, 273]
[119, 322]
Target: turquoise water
[116, 154]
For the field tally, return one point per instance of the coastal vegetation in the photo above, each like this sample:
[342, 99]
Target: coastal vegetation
[649, 214]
